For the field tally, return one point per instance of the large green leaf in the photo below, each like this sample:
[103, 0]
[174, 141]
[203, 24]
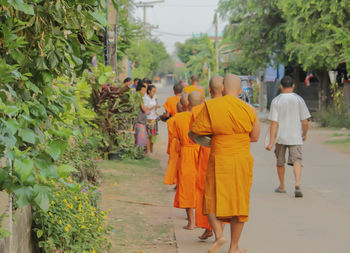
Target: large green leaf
[11, 110]
[100, 17]
[45, 166]
[12, 125]
[64, 170]
[56, 148]
[24, 168]
[42, 196]
[27, 135]
[21, 6]
[23, 195]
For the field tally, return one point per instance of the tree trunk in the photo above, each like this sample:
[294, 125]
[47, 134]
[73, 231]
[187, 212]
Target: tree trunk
[324, 92]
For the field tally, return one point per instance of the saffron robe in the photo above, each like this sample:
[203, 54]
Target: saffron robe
[230, 168]
[188, 162]
[203, 158]
[170, 105]
[174, 152]
[191, 88]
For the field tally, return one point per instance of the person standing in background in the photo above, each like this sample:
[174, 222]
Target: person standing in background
[289, 125]
[151, 106]
[140, 122]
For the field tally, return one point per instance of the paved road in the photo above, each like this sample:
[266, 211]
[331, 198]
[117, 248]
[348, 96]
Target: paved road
[279, 223]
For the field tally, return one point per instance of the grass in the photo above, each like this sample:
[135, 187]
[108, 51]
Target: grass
[127, 186]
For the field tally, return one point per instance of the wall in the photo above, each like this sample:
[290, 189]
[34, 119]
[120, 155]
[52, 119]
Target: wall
[21, 241]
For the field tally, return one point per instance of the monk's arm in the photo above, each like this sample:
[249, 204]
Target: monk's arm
[255, 133]
[273, 134]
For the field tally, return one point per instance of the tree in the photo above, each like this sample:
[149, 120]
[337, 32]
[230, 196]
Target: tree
[41, 41]
[146, 56]
[198, 54]
[318, 36]
[256, 29]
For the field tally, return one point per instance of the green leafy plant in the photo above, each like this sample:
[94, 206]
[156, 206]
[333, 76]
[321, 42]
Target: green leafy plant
[73, 222]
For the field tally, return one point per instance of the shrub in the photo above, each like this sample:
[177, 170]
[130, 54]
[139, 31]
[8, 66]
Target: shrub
[332, 117]
[73, 222]
[83, 154]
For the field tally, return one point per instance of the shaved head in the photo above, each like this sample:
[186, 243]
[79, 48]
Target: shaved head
[184, 101]
[232, 85]
[216, 86]
[179, 107]
[195, 98]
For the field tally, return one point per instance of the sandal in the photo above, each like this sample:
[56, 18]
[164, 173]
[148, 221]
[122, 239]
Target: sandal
[278, 190]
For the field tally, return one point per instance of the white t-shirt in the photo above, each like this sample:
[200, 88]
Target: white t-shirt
[150, 102]
[288, 110]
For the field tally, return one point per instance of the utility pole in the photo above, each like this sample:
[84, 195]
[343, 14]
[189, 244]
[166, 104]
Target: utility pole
[217, 42]
[146, 5]
[112, 37]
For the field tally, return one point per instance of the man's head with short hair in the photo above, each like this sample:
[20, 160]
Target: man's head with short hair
[137, 81]
[195, 79]
[178, 88]
[216, 86]
[127, 81]
[287, 82]
[232, 85]
[140, 85]
[195, 98]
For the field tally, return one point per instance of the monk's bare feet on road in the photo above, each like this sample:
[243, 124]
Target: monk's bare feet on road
[207, 233]
[217, 245]
[188, 227]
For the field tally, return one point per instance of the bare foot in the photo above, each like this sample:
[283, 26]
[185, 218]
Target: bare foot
[188, 227]
[217, 245]
[207, 233]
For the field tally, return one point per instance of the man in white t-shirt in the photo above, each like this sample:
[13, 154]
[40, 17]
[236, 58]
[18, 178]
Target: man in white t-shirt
[289, 125]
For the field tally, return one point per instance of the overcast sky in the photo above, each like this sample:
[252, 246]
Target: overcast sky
[179, 19]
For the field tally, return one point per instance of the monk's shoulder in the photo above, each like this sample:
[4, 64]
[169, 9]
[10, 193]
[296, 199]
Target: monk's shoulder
[216, 101]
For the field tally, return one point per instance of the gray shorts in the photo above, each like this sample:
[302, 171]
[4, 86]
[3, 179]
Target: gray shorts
[295, 154]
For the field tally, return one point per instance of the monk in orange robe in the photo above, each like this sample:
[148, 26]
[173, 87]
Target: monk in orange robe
[233, 124]
[216, 87]
[195, 86]
[171, 102]
[185, 197]
[174, 152]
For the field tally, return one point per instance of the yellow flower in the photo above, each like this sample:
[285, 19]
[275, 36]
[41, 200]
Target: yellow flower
[50, 214]
[83, 219]
[84, 251]
[102, 212]
[52, 182]
[68, 225]
[66, 228]
[52, 202]
[76, 198]
[93, 251]
[60, 222]
[57, 194]
[71, 206]
[92, 214]
[106, 222]
[65, 201]
[106, 216]
[83, 226]
[109, 210]
[69, 179]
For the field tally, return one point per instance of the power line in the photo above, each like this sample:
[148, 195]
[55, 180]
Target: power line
[174, 34]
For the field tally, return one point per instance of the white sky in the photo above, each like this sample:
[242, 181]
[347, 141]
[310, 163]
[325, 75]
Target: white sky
[181, 18]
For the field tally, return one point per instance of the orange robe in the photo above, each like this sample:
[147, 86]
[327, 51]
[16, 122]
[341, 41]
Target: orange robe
[170, 105]
[174, 151]
[191, 88]
[230, 168]
[203, 158]
[188, 162]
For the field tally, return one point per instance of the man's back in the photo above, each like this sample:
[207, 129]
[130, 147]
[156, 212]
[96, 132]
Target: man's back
[289, 109]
